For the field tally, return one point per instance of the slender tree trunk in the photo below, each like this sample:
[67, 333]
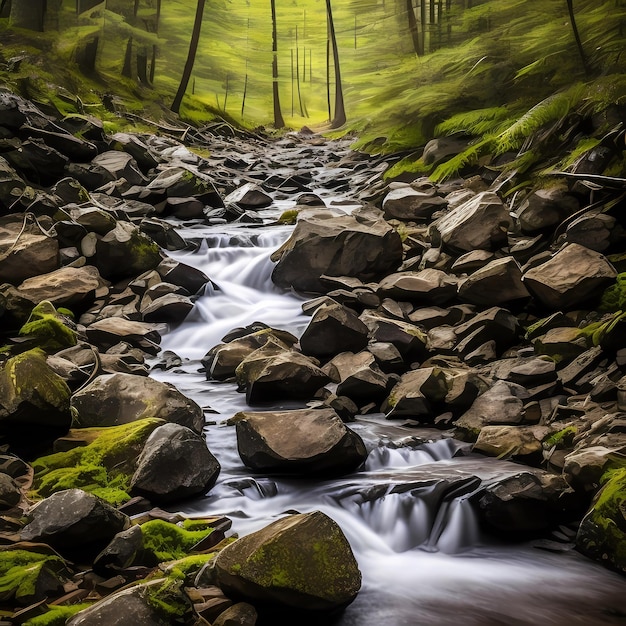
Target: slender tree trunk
[330, 114]
[339, 118]
[191, 56]
[424, 21]
[413, 26]
[298, 72]
[579, 44]
[127, 69]
[154, 46]
[278, 116]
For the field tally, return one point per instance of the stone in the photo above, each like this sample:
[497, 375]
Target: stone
[120, 553]
[143, 154]
[333, 329]
[93, 219]
[240, 614]
[480, 223]
[302, 561]
[358, 376]
[417, 394]
[522, 443]
[249, 196]
[113, 399]
[10, 492]
[545, 208]
[177, 273]
[120, 165]
[583, 468]
[108, 332]
[175, 464]
[172, 308]
[322, 243]
[498, 282]
[493, 324]
[573, 276]
[185, 182]
[407, 338]
[428, 286]
[74, 523]
[472, 261]
[405, 203]
[12, 185]
[592, 230]
[24, 250]
[305, 442]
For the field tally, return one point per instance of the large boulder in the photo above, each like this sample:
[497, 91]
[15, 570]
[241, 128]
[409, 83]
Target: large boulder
[333, 329]
[175, 464]
[303, 442]
[74, 522]
[302, 562]
[498, 282]
[325, 244]
[406, 203]
[480, 223]
[115, 399]
[574, 275]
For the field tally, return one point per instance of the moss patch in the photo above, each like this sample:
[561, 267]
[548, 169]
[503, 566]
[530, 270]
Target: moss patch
[562, 439]
[56, 615]
[169, 542]
[47, 328]
[104, 467]
[614, 298]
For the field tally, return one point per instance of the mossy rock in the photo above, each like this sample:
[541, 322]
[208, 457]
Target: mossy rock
[602, 533]
[562, 439]
[169, 542]
[28, 577]
[47, 327]
[103, 467]
[56, 615]
[289, 217]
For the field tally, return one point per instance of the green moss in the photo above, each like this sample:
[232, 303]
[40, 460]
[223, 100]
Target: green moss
[614, 297]
[168, 599]
[562, 439]
[169, 542]
[104, 467]
[288, 217]
[145, 253]
[47, 328]
[56, 615]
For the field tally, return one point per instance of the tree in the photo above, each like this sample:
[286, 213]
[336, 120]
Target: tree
[339, 119]
[413, 28]
[191, 56]
[579, 45]
[278, 116]
[28, 14]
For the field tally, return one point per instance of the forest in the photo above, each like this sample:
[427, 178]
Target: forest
[394, 73]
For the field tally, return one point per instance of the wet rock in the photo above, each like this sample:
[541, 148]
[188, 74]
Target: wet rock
[24, 250]
[522, 443]
[182, 208]
[405, 203]
[480, 223]
[387, 356]
[120, 553]
[416, 394]
[170, 307]
[303, 562]
[544, 208]
[190, 278]
[114, 399]
[429, 286]
[108, 332]
[249, 196]
[358, 376]
[498, 282]
[573, 276]
[322, 243]
[302, 442]
[74, 522]
[333, 329]
[407, 338]
[175, 464]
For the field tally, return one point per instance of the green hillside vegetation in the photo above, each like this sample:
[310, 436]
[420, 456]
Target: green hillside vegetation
[504, 74]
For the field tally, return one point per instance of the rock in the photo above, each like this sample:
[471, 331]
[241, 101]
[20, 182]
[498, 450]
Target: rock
[573, 276]
[48, 329]
[405, 203]
[499, 405]
[129, 607]
[562, 344]
[529, 502]
[522, 443]
[11, 185]
[34, 400]
[407, 338]
[138, 149]
[120, 165]
[71, 287]
[301, 442]
[93, 219]
[175, 464]
[108, 332]
[442, 148]
[593, 231]
[602, 532]
[90, 175]
[190, 278]
[240, 614]
[10, 492]
[583, 468]
[74, 522]
[303, 562]
[416, 394]
[429, 286]
[358, 376]
[120, 553]
[498, 282]
[333, 329]
[38, 161]
[273, 372]
[183, 182]
[114, 399]
[171, 307]
[126, 251]
[24, 250]
[471, 261]
[494, 324]
[249, 196]
[544, 208]
[322, 243]
[480, 223]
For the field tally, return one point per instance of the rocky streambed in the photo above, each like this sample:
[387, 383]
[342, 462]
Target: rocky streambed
[386, 387]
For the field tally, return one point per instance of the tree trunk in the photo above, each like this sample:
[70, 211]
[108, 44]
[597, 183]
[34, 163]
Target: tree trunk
[579, 44]
[279, 122]
[413, 26]
[87, 56]
[127, 69]
[191, 56]
[29, 14]
[5, 8]
[339, 118]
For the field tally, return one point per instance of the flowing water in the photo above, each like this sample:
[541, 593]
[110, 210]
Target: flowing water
[406, 513]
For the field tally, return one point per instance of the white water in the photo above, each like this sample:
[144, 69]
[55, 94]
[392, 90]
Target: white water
[423, 559]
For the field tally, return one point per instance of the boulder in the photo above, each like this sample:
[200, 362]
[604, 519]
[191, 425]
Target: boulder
[10, 492]
[405, 203]
[249, 196]
[407, 338]
[302, 562]
[120, 553]
[24, 250]
[429, 286]
[190, 278]
[480, 223]
[108, 332]
[522, 443]
[592, 230]
[183, 182]
[358, 376]
[120, 165]
[573, 276]
[240, 614]
[545, 208]
[175, 464]
[74, 522]
[498, 282]
[304, 442]
[333, 329]
[114, 399]
[170, 307]
[322, 243]
[12, 185]
[416, 394]
[583, 468]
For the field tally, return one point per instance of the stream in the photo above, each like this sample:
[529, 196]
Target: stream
[406, 512]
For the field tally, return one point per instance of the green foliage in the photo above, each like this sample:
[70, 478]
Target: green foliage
[56, 615]
[476, 122]
[564, 438]
[614, 297]
[48, 328]
[169, 542]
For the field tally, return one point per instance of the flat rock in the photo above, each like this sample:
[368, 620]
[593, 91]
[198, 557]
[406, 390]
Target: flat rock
[498, 282]
[429, 286]
[405, 203]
